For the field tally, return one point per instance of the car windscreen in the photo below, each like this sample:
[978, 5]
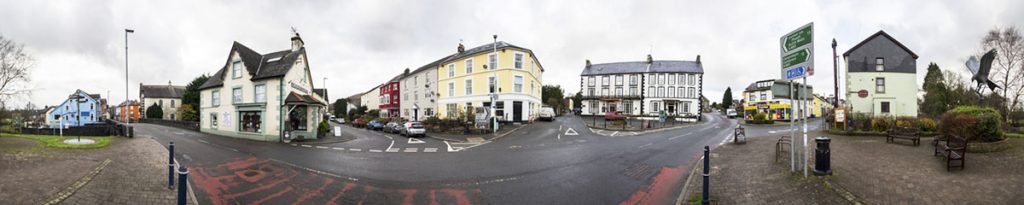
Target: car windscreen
[417, 125]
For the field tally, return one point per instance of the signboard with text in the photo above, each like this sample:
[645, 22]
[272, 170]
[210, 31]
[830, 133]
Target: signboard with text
[798, 52]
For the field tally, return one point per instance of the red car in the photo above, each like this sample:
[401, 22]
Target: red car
[613, 116]
[358, 122]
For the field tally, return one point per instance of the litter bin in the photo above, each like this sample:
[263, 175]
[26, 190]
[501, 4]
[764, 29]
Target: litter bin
[822, 161]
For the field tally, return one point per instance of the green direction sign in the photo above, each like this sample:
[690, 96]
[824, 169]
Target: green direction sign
[798, 38]
[795, 58]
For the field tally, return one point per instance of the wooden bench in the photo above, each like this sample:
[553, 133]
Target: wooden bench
[780, 146]
[954, 150]
[909, 133]
[739, 135]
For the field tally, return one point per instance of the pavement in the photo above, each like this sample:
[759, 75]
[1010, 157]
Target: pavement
[129, 171]
[559, 162]
[866, 170]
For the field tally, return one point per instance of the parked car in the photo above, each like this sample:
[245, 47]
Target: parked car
[340, 120]
[577, 111]
[393, 127]
[375, 125]
[615, 115]
[413, 129]
[359, 122]
[547, 114]
[731, 113]
[332, 119]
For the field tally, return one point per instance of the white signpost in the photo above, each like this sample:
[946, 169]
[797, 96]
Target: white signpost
[797, 57]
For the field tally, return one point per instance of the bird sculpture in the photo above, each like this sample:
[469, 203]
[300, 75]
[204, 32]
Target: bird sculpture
[981, 69]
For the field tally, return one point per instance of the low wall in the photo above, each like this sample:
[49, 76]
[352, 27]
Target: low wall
[188, 125]
[88, 130]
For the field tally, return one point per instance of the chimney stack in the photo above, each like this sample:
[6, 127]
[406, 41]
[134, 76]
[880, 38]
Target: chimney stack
[698, 59]
[461, 48]
[650, 59]
[588, 63]
[297, 42]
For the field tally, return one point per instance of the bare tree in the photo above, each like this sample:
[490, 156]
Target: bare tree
[1008, 71]
[14, 65]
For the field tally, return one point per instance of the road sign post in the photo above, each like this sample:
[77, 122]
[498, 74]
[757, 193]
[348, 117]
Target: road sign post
[797, 62]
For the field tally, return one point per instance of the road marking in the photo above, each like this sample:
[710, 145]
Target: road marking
[392, 150]
[306, 145]
[411, 149]
[450, 147]
[186, 157]
[389, 137]
[415, 141]
[233, 149]
[321, 147]
[571, 132]
[645, 145]
[374, 150]
[726, 140]
[204, 141]
[337, 148]
[392, 144]
[293, 145]
[559, 136]
[431, 149]
[613, 134]
[355, 150]
[672, 138]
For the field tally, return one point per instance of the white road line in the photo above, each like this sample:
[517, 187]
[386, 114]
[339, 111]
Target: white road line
[293, 145]
[337, 148]
[355, 150]
[431, 149]
[411, 149]
[306, 145]
[392, 144]
[645, 145]
[559, 136]
[726, 140]
[233, 149]
[613, 134]
[374, 150]
[450, 147]
[321, 147]
[392, 150]
[204, 141]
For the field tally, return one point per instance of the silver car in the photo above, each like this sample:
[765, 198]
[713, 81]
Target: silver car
[413, 129]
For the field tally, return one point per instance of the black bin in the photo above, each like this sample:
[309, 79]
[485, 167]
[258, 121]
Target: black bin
[822, 157]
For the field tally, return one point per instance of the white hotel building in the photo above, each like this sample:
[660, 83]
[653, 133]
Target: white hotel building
[643, 88]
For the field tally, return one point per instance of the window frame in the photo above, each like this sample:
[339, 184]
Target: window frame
[880, 83]
[239, 95]
[468, 87]
[468, 64]
[236, 69]
[215, 98]
[879, 64]
[517, 83]
[518, 60]
[256, 93]
[451, 70]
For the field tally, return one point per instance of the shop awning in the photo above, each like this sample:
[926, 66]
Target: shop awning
[299, 99]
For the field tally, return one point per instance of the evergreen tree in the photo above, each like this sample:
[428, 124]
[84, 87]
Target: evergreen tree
[154, 112]
[727, 98]
[937, 97]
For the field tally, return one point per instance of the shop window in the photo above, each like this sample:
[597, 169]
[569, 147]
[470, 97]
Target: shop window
[250, 121]
[213, 120]
[297, 118]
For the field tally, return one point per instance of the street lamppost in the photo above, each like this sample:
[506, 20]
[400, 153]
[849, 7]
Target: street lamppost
[494, 93]
[835, 72]
[127, 120]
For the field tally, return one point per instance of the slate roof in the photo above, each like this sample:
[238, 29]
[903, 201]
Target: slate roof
[322, 92]
[162, 91]
[468, 52]
[658, 66]
[259, 66]
[877, 34]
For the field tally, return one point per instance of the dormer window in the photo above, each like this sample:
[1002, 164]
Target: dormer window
[236, 69]
[879, 64]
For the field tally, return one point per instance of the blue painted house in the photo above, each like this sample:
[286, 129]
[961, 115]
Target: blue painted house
[80, 108]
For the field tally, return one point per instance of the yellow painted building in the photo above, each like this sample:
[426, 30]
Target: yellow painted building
[464, 80]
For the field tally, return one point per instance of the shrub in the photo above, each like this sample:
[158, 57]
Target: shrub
[154, 112]
[323, 128]
[926, 124]
[974, 123]
[881, 124]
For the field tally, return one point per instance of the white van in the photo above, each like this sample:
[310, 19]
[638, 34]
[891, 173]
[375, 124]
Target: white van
[731, 113]
[546, 114]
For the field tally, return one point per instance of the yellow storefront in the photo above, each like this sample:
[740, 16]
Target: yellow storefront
[775, 111]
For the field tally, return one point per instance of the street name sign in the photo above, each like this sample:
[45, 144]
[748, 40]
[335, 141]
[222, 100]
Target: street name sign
[797, 49]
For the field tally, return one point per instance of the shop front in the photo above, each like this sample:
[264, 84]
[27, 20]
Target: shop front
[301, 118]
[775, 111]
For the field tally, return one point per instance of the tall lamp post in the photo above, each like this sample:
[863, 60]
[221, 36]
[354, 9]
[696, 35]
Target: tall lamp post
[835, 72]
[127, 120]
[494, 93]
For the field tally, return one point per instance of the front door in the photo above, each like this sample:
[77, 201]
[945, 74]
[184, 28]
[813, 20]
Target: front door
[517, 111]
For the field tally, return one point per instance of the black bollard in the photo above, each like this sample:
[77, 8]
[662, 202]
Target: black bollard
[822, 157]
[707, 176]
[182, 185]
[170, 166]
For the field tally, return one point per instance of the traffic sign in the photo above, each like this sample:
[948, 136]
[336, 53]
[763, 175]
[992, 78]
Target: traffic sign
[797, 50]
[796, 72]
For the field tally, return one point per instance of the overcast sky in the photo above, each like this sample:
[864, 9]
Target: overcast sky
[359, 44]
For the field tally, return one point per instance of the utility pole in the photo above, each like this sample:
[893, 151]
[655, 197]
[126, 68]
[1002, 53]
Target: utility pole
[835, 72]
[494, 93]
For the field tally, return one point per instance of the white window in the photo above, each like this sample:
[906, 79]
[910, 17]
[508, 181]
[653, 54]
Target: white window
[879, 64]
[469, 66]
[493, 61]
[604, 81]
[670, 89]
[172, 105]
[654, 106]
[261, 93]
[215, 98]
[451, 89]
[604, 92]
[661, 91]
[672, 79]
[880, 85]
[632, 79]
[236, 95]
[618, 91]
[451, 70]
[531, 87]
[519, 61]
[651, 92]
[236, 69]
[490, 85]
[469, 86]
[661, 79]
[693, 80]
[692, 94]
[591, 81]
[518, 80]
[679, 92]
[682, 79]
[632, 90]
[618, 80]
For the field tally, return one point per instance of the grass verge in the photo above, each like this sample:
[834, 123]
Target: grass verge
[1014, 135]
[58, 141]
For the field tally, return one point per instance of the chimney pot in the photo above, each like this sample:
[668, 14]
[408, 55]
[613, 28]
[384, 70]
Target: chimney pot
[461, 48]
[650, 59]
[588, 63]
[698, 59]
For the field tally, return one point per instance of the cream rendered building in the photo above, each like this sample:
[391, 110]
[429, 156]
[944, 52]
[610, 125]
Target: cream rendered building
[464, 80]
[262, 96]
[167, 96]
[419, 93]
[881, 77]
